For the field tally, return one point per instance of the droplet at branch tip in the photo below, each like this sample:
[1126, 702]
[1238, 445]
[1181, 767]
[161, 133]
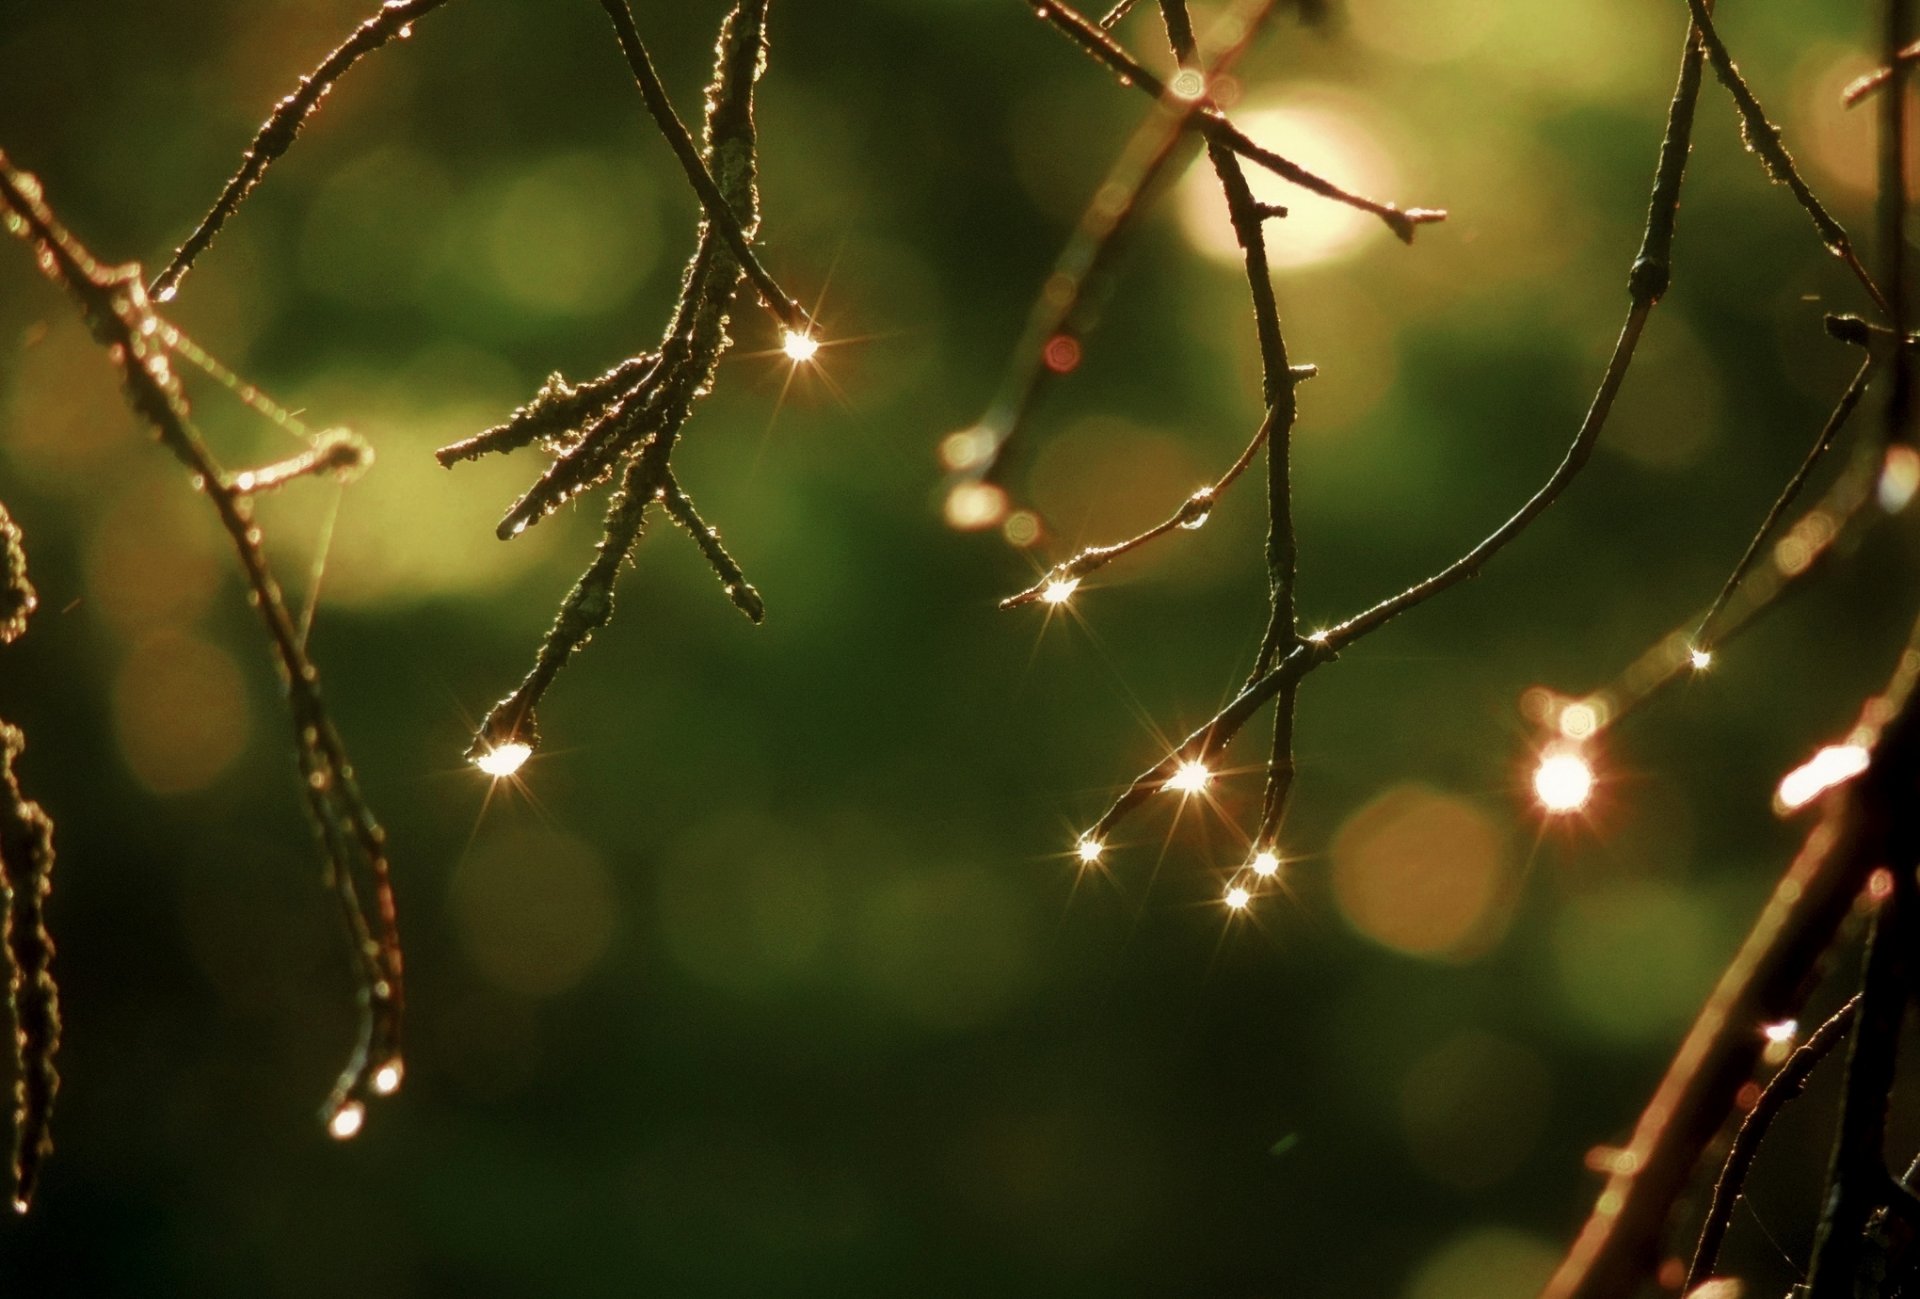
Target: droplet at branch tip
[503, 760]
[347, 1121]
[800, 345]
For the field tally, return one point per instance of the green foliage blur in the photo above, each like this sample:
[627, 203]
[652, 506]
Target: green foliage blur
[773, 976]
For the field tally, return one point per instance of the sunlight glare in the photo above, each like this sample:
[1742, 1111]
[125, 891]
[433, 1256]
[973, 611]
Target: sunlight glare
[386, 1080]
[799, 346]
[1238, 898]
[1060, 590]
[1701, 659]
[505, 759]
[1265, 863]
[1089, 850]
[1563, 781]
[1190, 777]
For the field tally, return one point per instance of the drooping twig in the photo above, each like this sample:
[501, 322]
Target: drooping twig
[1279, 379]
[1705, 637]
[1060, 580]
[1783, 1087]
[1214, 124]
[26, 877]
[1764, 138]
[1087, 252]
[629, 420]
[276, 134]
[734, 224]
[117, 310]
[1802, 551]
[1647, 282]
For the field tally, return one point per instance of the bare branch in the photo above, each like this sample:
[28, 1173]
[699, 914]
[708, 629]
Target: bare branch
[734, 226]
[1783, 1087]
[1764, 138]
[117, 311]
[277, 133]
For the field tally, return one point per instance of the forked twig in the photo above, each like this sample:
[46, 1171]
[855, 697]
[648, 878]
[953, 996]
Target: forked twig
[116, 309]
[628, 421]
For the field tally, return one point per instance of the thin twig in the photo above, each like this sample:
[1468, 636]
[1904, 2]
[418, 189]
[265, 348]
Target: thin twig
[1092, 245]
[1704, 638]
[276, 134]
[733, 226]
[1214, 124]
[1824, 529]
[1764, 138]
[1192, 512]
[1860, 87]
[733, 581]
[1783, 1087]
[1647, 281]
[630, 419]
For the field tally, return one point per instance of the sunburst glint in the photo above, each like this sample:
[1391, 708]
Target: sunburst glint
[504, 759]
[1238, 898]
[1089, 850]
[1060, 590]
[1563, 782]
[1701, 659]
[1833, 765]
[799, 345]
[347, 1121]
[1190, 777]
[1265, 863]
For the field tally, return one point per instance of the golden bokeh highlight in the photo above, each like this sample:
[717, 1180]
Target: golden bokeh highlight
[1325, 132]
[180, 711]
[155, 556]
[534, 910]
[63, 409]
[1423, 873]
[573, 236]
[1487, 1263]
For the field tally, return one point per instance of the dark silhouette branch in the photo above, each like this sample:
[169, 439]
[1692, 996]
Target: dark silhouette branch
[1783, 1087]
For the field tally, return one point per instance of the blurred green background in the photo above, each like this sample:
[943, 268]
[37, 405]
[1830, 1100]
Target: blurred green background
[775, 977]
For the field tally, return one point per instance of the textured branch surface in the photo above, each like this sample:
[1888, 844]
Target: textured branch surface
[117, 311]
[629, 419]
[277, 133]
[26, 878]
